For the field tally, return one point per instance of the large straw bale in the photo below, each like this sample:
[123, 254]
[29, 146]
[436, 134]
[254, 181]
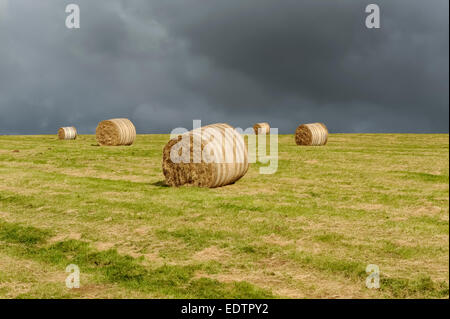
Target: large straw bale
[222, 160]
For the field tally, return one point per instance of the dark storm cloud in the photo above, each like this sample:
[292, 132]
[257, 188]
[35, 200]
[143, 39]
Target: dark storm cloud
[165, 63]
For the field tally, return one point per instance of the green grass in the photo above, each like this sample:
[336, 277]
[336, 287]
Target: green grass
[16, 233]
[308, 231]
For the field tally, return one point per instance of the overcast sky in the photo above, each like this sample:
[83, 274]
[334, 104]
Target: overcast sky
[163, 63]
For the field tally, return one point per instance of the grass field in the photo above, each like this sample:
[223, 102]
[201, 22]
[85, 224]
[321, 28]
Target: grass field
[308, 231]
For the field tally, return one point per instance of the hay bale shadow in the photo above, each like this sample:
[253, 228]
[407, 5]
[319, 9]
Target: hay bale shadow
[160, 184]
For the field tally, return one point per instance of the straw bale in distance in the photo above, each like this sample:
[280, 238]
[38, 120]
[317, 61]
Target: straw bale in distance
[264, 128]
[315, 134]
[115, 132]
[67, 133]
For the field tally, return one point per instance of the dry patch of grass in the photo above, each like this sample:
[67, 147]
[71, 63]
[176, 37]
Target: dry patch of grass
[212, 253]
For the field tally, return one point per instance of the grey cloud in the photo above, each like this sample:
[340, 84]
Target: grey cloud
[165, 63]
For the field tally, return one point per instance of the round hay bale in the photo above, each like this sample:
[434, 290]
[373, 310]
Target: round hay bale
[67, 133]
[315, 134]
[115, 132]
[264, 128]
[223, 158]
